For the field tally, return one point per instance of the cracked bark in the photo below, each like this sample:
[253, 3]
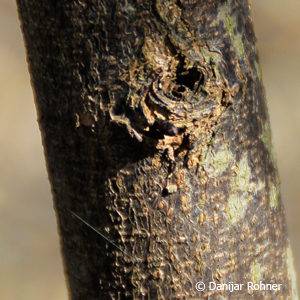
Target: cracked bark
[156, 133]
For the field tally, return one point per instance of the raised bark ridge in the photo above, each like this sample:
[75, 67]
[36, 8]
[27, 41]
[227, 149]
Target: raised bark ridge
[156, 132]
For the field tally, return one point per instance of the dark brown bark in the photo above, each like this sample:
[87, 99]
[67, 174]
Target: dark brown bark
[156, 133]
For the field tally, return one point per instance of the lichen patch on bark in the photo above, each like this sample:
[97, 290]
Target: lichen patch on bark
[219, 161]
[230, 22]
[291, 272]
[236, 207]
[274, 194]
[243, 190]
[256, 272]
[242, 178]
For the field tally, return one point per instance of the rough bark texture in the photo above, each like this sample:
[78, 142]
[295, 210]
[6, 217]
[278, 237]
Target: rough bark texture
[156, 133]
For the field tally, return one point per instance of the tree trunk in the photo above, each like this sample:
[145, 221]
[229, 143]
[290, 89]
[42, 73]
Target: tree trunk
[156, 133]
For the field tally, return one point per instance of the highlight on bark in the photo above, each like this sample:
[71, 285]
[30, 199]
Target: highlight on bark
[156, 135]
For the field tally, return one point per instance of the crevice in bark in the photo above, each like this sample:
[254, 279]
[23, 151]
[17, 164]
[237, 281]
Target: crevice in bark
[179, 4]
[165, 192]
[224, 100]
[155, 11]
[170, 45]
[188, 78]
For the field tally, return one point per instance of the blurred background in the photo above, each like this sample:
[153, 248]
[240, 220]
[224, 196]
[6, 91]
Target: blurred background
[30, 262]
